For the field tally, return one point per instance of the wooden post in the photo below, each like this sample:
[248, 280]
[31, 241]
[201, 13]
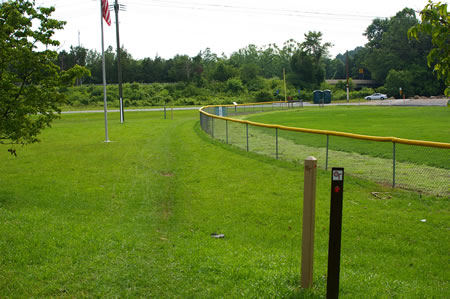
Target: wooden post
[309, 211]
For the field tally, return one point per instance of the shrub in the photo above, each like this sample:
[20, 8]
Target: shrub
[234, 85]
[256, 84]
[396, 79]
[263, 96]
[381, 89]
[366, 92]
[342, 84]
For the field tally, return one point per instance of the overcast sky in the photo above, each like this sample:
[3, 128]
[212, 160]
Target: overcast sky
[169, 27]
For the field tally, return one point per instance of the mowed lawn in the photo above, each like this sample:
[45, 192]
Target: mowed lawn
[134, 218]
[419, 123]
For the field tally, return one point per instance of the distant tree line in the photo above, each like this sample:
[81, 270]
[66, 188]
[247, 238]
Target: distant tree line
[389, 57]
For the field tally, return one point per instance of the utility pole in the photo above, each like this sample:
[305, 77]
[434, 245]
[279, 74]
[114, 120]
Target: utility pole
[79, 81]
[284, 81]
[346, 67]
[119, 66]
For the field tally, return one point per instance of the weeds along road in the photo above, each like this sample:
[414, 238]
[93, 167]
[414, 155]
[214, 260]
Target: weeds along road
[134, 110]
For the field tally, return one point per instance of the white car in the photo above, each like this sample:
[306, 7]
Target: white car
[376, 96]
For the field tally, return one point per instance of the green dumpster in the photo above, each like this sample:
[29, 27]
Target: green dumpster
[318, 96]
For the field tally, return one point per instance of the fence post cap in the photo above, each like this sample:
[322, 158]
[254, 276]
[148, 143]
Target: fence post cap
[311, 158]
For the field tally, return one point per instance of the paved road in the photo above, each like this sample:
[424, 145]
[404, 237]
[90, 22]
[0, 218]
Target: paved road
[394, 102]
[408, 102]
[389, 102]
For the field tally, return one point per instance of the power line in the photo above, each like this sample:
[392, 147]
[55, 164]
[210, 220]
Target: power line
[221, 8]
[88, 9]
[253, 10]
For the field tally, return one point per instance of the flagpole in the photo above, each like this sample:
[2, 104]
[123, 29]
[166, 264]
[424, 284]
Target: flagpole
[104, 75]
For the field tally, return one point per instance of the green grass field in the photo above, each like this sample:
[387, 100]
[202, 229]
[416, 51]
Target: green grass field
[133, 218]
[420, 123]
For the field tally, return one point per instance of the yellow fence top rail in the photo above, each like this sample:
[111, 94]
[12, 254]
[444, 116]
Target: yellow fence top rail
[324, 132]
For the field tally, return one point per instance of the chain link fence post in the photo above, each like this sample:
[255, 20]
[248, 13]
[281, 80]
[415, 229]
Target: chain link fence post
[276, 143]
[393, 164]
[326, 158]
[226, 130]
[246, 125]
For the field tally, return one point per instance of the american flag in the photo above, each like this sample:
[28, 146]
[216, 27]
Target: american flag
[105, 12]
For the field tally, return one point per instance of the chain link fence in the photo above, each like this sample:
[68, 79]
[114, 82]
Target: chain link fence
[422, 168]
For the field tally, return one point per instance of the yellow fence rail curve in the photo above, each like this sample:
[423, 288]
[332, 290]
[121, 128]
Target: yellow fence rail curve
[217, 121]
[323, 132]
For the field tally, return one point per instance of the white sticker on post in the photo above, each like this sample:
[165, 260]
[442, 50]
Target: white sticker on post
[337, 175]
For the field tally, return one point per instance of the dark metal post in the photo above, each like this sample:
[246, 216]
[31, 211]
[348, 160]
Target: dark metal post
[334, 243]
[247, 135]
[119, 66]
[393, 165]
[212, 127]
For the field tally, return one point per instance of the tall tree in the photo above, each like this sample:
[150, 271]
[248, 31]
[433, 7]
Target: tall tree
[30, 82]
[77, 55]
[335, 69]
[313, 45]
[436, 23]
[375, 31]
[308, 62]
[390, 49]
[94, 64]
[306, 71]
[223, 71]
[181, 69]
[130, 72]
[388, 44]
